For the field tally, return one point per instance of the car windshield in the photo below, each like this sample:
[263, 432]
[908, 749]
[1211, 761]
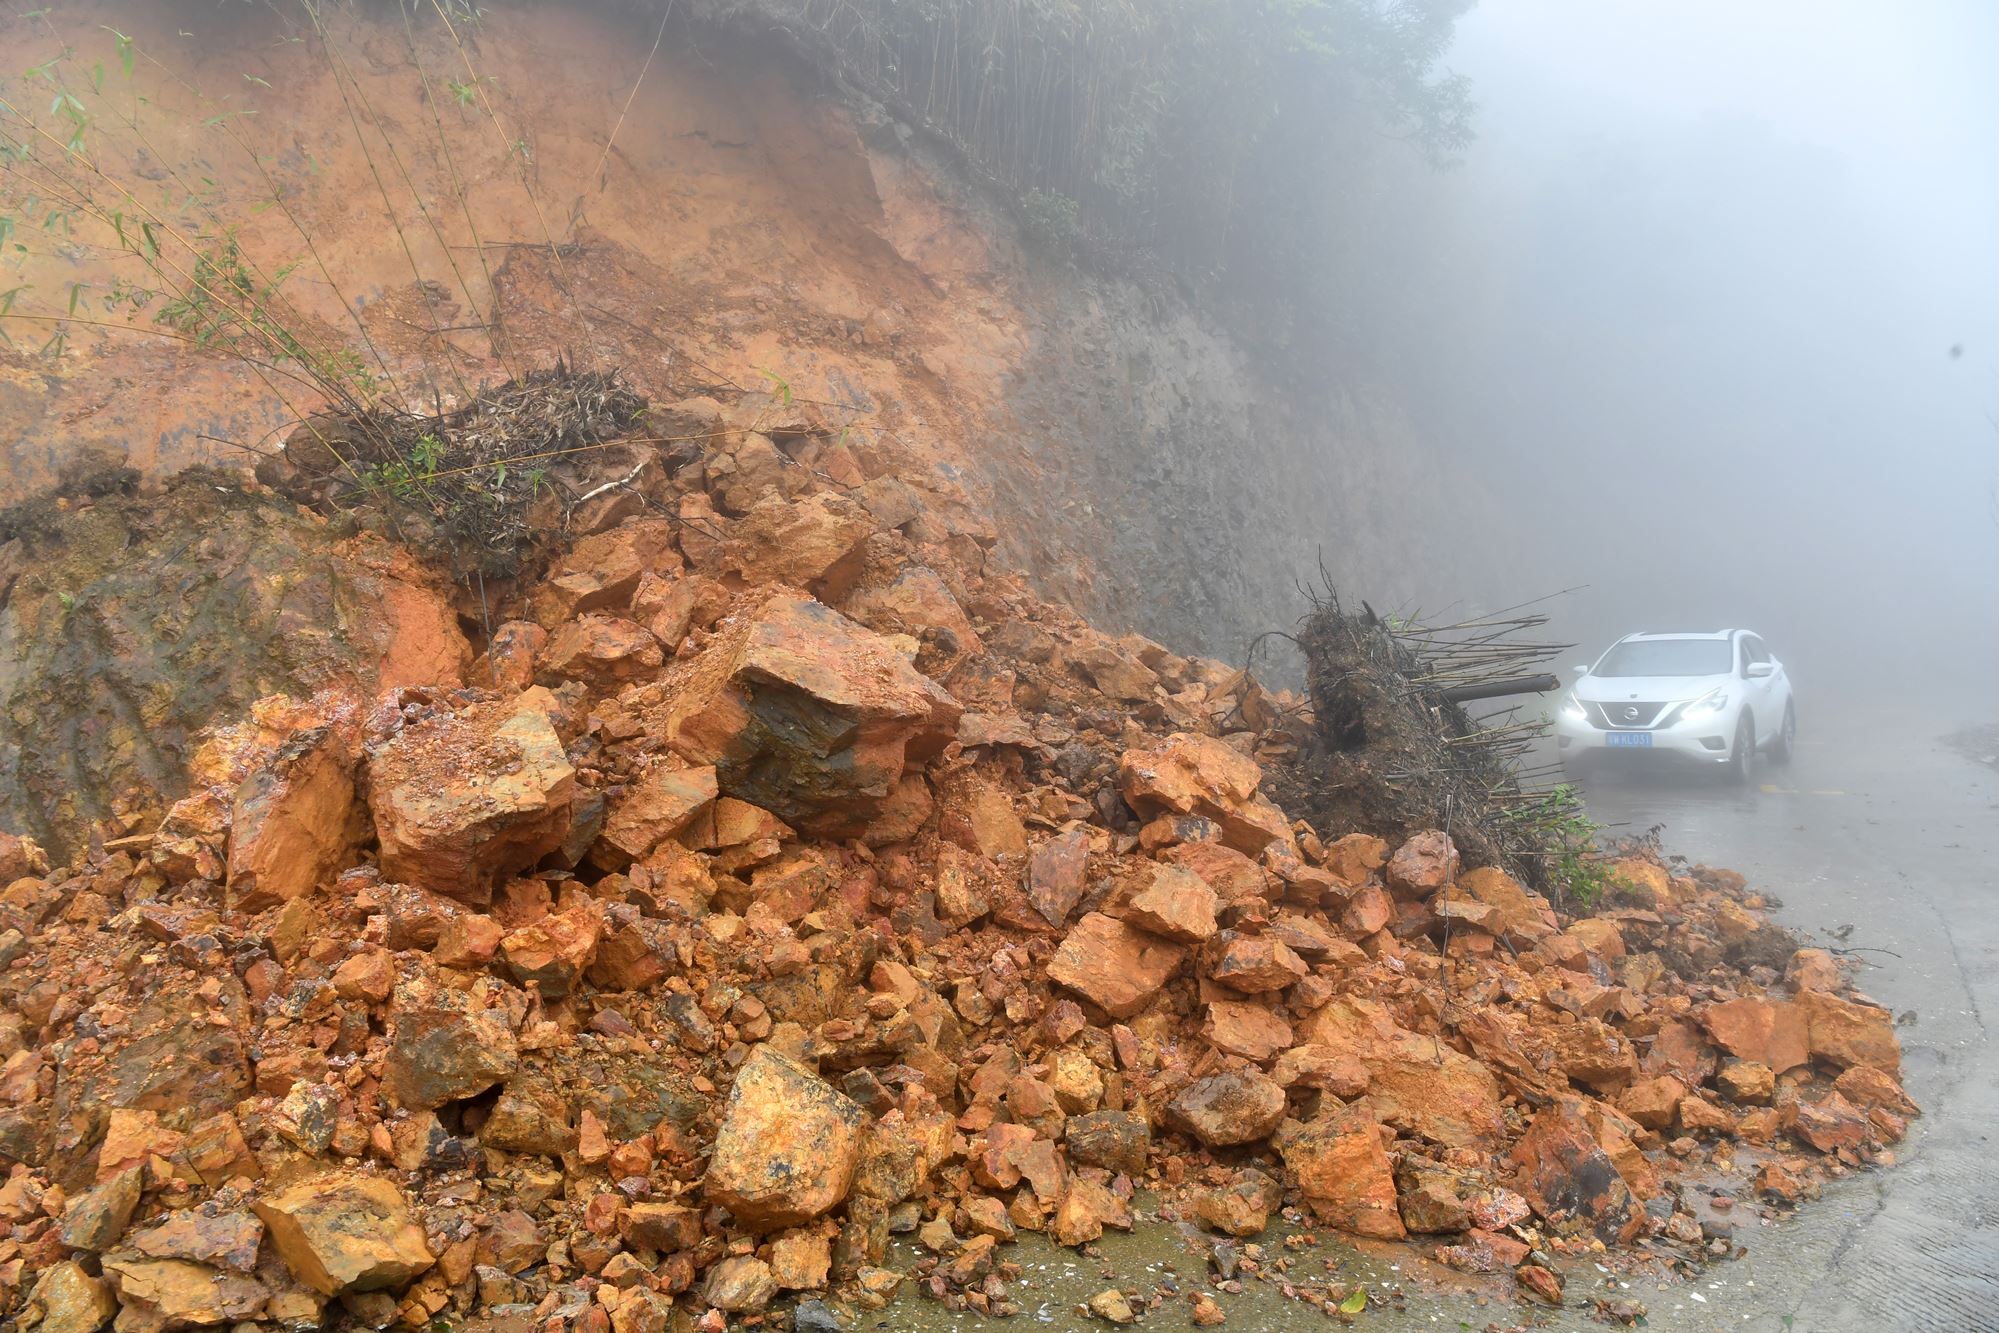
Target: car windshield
[1668, 657]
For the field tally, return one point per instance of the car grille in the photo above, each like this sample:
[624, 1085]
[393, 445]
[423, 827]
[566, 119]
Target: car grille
[1627, 716]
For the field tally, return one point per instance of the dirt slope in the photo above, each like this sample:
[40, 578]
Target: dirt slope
[746, 229]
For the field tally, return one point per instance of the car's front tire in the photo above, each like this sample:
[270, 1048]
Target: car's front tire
[1742, 755]
[1786, 743]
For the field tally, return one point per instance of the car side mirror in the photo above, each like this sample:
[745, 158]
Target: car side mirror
[1762, 670]
[1581, 670]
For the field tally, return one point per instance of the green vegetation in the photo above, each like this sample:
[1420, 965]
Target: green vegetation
[1577, 873]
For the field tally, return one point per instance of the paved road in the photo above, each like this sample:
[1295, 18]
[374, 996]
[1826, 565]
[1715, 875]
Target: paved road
[1877, 826]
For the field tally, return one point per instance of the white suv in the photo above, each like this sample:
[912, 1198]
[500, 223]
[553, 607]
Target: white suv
[1716, 698]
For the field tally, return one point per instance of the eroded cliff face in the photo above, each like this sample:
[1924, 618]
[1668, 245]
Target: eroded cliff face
[746, 229]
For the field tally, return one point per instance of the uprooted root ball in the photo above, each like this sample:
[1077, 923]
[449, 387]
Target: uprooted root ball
[462, 484]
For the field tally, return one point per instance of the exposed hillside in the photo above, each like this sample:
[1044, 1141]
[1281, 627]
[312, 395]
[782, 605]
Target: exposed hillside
[748, 227]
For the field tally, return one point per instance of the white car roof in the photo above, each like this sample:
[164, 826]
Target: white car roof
[1680, 634]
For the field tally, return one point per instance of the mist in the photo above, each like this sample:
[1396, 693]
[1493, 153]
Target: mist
[1712, 308]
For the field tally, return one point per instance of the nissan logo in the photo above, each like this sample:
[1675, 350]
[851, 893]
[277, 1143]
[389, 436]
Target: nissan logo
[1631, 715]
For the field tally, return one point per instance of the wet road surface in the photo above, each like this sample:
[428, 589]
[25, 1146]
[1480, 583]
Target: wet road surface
[1876, 825]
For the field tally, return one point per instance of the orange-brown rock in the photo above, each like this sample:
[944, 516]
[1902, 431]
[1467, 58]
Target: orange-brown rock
[1677, 1049]
[918, 602]
[1056, 876]
[1523, 917]
[602, 651]
[1423, 864]
[1417, 1083]
[1869, 1087]
[1812, 969]
[294, 823]
[978, 816]
[1564, 1173]
[659, 804]
[1593, 1054]
[1770, 1032]
[1174, 903]
[1254, 964]
[461, 798]
[807, 714]
[1113, 1140]
[1356, 857]
[444, 1045]
[1698, 1115]
[1847, 1034]
[1199, 775]
[1646, 879]
[1600, 937]
[1343, 1173]
[344, 1231]
[1227, 1109]
[1241, 1207]
[1327, 1068]
[552, 954]
[813, 543]
[601, 572]
[1433, 1199]
[1830, 1123]
[1653, 1102]
[788, 1145]
[1245, 1028]
[1369, 910]
[1746, 1082]
[1083, 1212]
[1233, 876]
[1113, 965]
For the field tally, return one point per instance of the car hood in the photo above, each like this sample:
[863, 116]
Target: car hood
[1649, 689]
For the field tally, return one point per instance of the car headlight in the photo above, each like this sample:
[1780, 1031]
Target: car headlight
[1572, 708]
[1708, 705]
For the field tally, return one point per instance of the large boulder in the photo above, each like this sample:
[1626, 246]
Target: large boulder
[1224, 1110]
[660, 803]
[1343, 1172]
[787, 1148]
[1117, 967]
[807, 714]
[344, 1231]
[1417, 1083]
[294, 823]
[1563, 1170]
[66, 1299]
[444, 1045]
[1848, 1034]
[462, 797]
[1770, 1032]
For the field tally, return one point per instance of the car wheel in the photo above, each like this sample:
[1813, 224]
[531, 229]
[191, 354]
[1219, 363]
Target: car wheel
[1786, 743]
[1742, 755]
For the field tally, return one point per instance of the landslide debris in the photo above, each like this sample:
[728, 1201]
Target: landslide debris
[783, 882]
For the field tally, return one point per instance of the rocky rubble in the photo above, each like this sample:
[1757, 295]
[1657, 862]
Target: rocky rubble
[785, 883]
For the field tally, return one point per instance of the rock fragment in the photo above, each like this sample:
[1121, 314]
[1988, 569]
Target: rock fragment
[460, 799]
[345, 1231]
[788, 1145]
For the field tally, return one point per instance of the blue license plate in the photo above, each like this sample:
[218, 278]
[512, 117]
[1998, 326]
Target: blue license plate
[1635, 740]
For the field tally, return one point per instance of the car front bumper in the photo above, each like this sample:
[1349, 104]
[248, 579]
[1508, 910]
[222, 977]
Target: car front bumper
[1704, 740]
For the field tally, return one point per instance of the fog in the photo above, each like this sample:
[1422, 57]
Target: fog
[1712, 307]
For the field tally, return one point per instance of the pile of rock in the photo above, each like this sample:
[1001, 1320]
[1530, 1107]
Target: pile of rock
[779, 886]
